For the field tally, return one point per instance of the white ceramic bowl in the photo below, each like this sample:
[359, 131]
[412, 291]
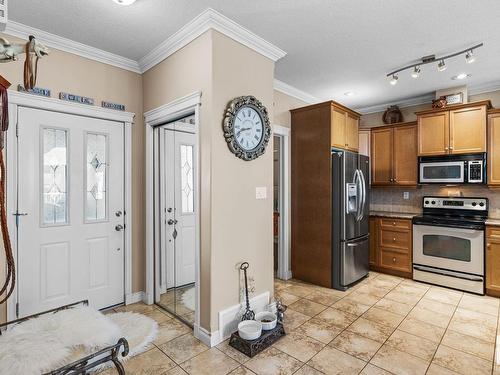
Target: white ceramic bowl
[250, 329]
[266, 315]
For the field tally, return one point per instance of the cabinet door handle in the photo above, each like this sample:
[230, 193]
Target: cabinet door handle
[394, 239]
[451, 147]
[393, 260]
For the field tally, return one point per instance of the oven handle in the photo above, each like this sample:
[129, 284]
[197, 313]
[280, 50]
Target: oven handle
[445, 273]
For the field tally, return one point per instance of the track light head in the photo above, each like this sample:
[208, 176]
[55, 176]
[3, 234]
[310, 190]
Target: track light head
[416, 72]
[469, 57]
[394, 79]
[442, 66]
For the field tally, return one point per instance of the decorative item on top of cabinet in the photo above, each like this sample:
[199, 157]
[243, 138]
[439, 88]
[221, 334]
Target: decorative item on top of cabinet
[493, 261]
[439, 102]
[392, 115]
[455, 129]
[394, 155]
[494, 147]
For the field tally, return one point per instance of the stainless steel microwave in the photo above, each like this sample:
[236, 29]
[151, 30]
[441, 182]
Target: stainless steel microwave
[452, 169]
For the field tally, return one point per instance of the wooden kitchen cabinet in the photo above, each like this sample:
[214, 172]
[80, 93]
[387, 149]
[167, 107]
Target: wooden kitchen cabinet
[344, 125]
[364, 142]
[351, 133]
[394, 155]
[457, 129]
[391, 246]
[493, 261]
[494, 148]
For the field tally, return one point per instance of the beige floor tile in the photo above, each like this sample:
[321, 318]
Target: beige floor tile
[374, 370]
[430, 317]
[373, 290]
[232, 352]
[183, 348]
[149, 363]
[461, 362]
[273, 362]
[159, 316]
[469, 344]
[293, 319]
[422, 329]
[308, 370]
[140, 308]
[372, 330]
[334, 292]
[350, 306]
[436, 306]
[415, 284]
[470, 323]
[299, 290]
[307, 307]
[444, 295]
[286, 298]
[331, 361]
[176, 371]
[319, 329]
[384, 317]
[242, 371]
[393, 306]
[383, 282]
[411, 344]
[356, 345]
[414, 289]
[299, 346]
[438, 370]
[399, 362]
[336, 317]
[482, 304]
[402, 297]
[210, 362]
[323, 298]
[169, 330]
[364, 298]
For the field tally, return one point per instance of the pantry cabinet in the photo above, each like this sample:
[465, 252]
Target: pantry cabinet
[394, 155]
[457, 129]
[345, 124]
[494, 148]
[493, 261]
[364, 142]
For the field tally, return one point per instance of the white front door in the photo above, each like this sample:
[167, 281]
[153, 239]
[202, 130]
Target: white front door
[179, 218]
[70, 206]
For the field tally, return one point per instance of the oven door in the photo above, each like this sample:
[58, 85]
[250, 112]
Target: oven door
[446, 172]
[455, 249]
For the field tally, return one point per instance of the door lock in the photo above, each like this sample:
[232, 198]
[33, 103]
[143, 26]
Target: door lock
[118, 213]
[119, 228]
[171, 221]
[169, 209]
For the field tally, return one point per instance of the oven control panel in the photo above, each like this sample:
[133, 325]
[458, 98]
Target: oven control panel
[478, 204]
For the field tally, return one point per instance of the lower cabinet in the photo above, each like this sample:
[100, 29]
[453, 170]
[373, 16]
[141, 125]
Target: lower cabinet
[493, 261]
[391, 246]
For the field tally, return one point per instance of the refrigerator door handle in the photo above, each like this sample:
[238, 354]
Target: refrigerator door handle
[359, 188]
[363, 196]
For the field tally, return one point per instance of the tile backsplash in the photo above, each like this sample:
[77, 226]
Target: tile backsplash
[391, 198]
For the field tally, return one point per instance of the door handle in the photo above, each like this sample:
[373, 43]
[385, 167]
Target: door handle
[119, 228]
[171, 221]
[118, 213]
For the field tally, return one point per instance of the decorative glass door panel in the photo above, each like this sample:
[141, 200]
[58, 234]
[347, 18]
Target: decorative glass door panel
[96, 178]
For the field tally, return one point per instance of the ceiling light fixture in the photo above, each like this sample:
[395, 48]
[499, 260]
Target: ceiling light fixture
[442, 66]
[349, 93]
[124, 2]
[416, 72]
[432, 59]
[461, 76]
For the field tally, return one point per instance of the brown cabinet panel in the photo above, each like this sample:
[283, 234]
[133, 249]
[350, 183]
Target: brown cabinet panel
[338, 128]
[351, 134]
[395, 260]
[364, 142]
[494, 149]
[373, 242]
[493, 261]
[433, 134]
[395, 239]
[405, 155]
[388, 223]
[468, 130]
[381, 158]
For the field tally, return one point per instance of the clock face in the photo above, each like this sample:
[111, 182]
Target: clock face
[248, 128]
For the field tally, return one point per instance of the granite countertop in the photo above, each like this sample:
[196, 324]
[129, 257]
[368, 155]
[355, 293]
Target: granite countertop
[495, 222]
[397, 215]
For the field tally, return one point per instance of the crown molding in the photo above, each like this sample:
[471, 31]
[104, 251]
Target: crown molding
[410, 102]
[483, 88]
[67, 45]
[209, 19]
[285, 88]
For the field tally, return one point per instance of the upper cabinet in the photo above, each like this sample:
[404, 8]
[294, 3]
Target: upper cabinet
[458, 129]
[494, 148]
[394, 155]
[364, 142]
[345, 124]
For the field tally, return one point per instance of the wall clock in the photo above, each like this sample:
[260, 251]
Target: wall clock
[246, 127]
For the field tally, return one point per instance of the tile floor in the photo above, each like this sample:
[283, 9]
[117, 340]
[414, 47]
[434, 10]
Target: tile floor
[180, 301]
[384, 325]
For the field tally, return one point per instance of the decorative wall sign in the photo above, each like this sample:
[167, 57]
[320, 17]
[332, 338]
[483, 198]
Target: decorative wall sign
[455, 98]
[118, 107]
[35, 90]
[76, 98]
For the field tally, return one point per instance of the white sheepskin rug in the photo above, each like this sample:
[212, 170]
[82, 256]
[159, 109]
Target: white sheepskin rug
[51, 341]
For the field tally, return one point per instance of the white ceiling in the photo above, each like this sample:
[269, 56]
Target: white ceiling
[333, 46]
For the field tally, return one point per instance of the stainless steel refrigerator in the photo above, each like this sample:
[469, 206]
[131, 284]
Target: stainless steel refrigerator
[350, 213]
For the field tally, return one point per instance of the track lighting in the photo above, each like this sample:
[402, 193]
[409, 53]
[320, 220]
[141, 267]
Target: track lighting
[432, 59]
[442, 66]
[416, 72]
[469, 57]
[124, 2]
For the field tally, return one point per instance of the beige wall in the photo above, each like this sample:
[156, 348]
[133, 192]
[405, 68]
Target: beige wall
[283, 103]
[62, 71]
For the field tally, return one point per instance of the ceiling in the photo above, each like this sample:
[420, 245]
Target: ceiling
[333, 46]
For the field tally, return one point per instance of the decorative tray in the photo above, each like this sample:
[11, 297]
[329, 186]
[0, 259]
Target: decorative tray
[253, 347]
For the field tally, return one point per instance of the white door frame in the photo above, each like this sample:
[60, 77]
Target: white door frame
[166, 113]
[18, 99]
[284, 255]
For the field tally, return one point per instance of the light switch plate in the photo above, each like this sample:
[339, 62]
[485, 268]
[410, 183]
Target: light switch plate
[261, 192]
[406, 195]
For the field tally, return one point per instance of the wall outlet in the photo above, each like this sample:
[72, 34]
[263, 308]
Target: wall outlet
[406, 195]
[261, 192]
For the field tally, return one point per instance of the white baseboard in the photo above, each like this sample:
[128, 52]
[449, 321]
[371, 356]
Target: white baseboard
[288, 275]
[134, 298]
[210, 339]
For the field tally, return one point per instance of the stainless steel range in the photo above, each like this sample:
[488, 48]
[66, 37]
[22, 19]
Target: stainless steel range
[448, 243]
